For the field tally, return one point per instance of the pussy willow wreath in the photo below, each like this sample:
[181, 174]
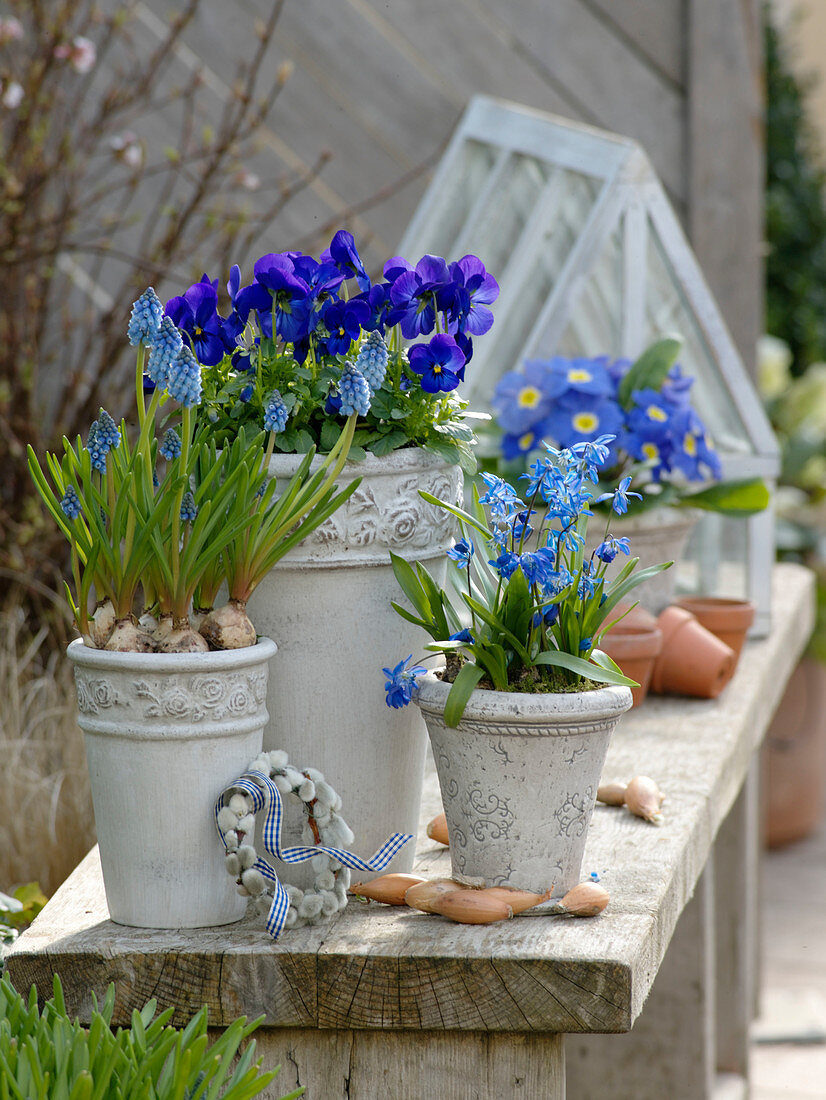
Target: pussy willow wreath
[323, 826]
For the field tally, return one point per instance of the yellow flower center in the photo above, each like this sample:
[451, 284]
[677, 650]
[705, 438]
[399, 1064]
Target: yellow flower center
[586, 422]
[437, 368]
[529, 397]
[690, 444]
[651, 450]
[526, 441]
[579, 375]
[654, 412]
[198, 330]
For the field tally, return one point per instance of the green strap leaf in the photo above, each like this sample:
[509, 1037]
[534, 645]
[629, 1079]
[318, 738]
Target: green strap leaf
[583, 668]
[651, 369]
[745, 497]
[460, 691]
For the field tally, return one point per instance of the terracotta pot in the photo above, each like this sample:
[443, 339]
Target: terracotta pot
[634, 648]
[727, 619]
[794, 754]
[693, 661]
[635, 615]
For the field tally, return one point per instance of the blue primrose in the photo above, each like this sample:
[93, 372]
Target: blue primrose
[401, 682]
[461, 553]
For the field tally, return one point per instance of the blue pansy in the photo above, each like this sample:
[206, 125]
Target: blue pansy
[196, 313]
[288, 293]
[481, 290]
[343, 321]
[438, 362]
[344, 254]
[414, 295]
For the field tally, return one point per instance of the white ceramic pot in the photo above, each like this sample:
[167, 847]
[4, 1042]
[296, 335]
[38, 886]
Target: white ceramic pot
[327, 605]
[165, 734]
[656, 535]
[519, 778]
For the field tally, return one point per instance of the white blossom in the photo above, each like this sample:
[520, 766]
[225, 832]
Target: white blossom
[324, 793]
[12, 95]
[325, 880]
[231, 840]
[282, 784]
[291, 918]
[247, 824]
[243, 891]
[232, 864]
[343, 877]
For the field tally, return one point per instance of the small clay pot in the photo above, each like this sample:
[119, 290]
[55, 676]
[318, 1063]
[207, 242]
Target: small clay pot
[635, 615]
[728, 619]
[634, 648]
[692, 661]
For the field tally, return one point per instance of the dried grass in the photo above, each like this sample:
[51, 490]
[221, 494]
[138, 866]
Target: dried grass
[46, 822]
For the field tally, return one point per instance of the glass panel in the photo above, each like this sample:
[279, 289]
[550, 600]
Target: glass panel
[595, 325]
[450, 208]
[668, 312]
[715, 559]
[502, 218]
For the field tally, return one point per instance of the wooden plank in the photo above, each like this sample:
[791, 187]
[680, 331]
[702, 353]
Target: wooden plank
[654, 28]
[374, 967]
[725, 166]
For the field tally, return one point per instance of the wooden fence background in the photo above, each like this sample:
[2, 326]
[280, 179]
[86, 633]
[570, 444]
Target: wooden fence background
[381, 84]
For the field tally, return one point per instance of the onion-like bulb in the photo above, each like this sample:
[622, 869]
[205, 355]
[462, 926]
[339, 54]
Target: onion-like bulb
[471, 907]
[644, 798]
[389, 889]
[437, 829]
[424, 894]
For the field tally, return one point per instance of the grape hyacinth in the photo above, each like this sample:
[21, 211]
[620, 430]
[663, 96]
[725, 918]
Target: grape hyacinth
[275, 414]
[97, 448]
[167, 344]
[355, 392]
[170, 447]
[145, 319]
[189, 509]
[184, 382]
[372, 360]
[107, 431]
[70, 504]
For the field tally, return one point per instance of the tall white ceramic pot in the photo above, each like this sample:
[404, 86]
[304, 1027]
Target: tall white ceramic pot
[519, 778]
[165, 734]
[656, 535]
[327, 605]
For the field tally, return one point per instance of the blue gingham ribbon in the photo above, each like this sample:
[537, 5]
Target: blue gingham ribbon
[251, 784]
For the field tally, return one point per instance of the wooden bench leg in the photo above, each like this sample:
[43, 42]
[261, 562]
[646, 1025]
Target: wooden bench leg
[670, 1051]
[412, 1065]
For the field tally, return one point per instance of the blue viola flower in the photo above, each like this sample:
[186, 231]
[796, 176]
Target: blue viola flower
[343, 321]
[184, 381]
[401, 682]
[246, 393]
[196, 313]
[610, 547]
[414, 294]
[524, 398]
[354, 392]
[481, 289]
[394, 267]
[189, 509]
[171, 446]
[377, 302]
[168, 342]
[275, 414]
[344, 254]
[289, 294]
[70, 503]
[438, 362]
[462, 636]
[371, 361]
[461, 553]
[145, 318]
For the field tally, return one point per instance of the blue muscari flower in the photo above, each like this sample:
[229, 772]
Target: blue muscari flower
[461, 553]
[108, 435]
[168, 342]
[371, 361]
[70, 503]
[610, 547]
[275, 414]
[145, 319]
[171, 446]
[97, 449]
[401, 682]
[506, 564]
[462, 636]
[184, 381]
[189, 509]
[354, 392]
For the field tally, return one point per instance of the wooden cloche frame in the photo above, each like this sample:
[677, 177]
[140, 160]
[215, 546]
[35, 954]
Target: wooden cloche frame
[517, 186]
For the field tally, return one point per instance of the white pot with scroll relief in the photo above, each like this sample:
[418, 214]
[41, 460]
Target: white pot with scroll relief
[327, 604]
[519, 777]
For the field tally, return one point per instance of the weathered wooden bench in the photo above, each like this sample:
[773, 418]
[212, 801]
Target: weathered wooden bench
[391, 1003]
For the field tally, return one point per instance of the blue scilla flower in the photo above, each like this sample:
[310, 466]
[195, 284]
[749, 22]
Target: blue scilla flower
[107, 433]
[168, 342]
[371, 361]
[70, 503]
[548, 615]
[145, 319]
[610, 547]
[401, 682]
[189, 509]
[184, 382]
[619, 503]
[170, 447]
[275, 414]
[354, 392]
[538, 566]
[506, 564]
[98, 450]
[461, 553]
[463, 636]
[501, 498]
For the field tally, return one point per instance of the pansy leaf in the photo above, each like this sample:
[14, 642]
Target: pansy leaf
[389, 442]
